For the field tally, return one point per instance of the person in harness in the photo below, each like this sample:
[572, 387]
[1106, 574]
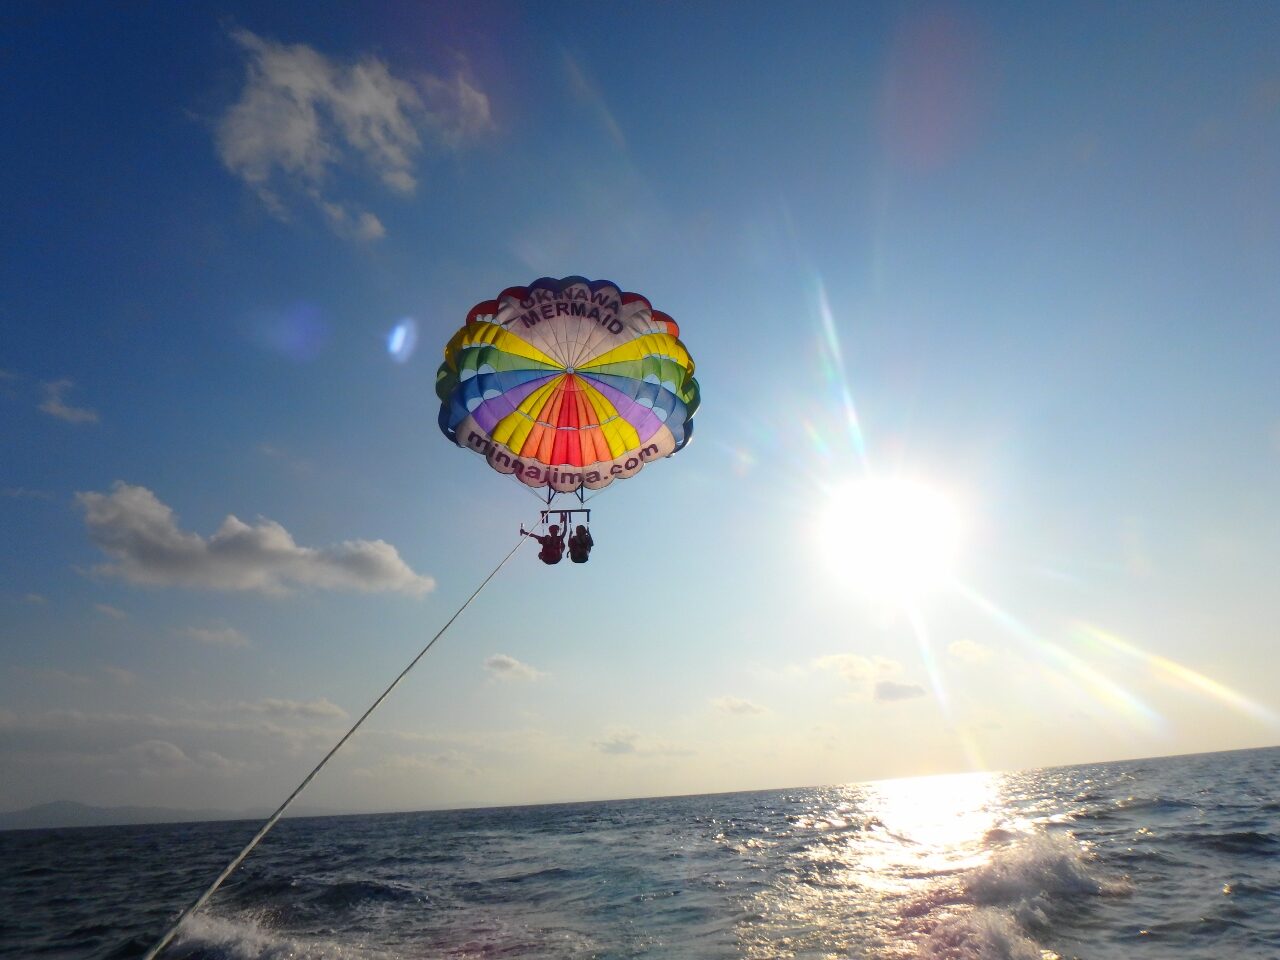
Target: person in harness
[552, 544]
[580, 544]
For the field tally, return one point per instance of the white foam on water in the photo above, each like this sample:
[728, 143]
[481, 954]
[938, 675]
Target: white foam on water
[999, 909]
[984, 934]
[244, 938]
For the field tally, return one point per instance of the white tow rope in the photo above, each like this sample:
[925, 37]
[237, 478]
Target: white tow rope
[271, 821]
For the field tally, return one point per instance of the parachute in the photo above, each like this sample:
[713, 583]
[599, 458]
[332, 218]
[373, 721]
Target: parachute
[567, 384]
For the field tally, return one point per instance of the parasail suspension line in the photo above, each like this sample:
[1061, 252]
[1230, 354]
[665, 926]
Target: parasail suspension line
[271, 821]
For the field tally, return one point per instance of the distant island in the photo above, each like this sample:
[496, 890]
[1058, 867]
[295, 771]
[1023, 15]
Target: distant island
[69, 813]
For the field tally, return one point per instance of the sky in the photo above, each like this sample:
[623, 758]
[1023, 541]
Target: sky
[982, 299]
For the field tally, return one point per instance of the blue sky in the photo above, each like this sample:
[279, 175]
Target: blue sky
[1030, 252]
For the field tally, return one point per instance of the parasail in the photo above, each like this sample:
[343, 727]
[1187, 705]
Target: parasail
[567, 384]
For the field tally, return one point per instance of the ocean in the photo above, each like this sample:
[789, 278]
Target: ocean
[1165, 858]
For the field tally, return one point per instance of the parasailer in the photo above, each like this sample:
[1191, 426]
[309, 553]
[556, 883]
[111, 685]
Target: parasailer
[552, 543]
[580, 544]
[567, 385]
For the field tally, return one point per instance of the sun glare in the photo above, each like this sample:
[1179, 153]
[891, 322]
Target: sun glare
[890, 539]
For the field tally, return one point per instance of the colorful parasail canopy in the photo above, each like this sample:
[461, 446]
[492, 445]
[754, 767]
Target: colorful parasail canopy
[567, 384]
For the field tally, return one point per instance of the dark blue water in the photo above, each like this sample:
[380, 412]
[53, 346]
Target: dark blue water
[1176, 857]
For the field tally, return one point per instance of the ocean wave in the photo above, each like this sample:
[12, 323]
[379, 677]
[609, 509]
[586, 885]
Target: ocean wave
[1042, 865]
[996, 910]
[1238, 842]
[979, 935]
[211, 937]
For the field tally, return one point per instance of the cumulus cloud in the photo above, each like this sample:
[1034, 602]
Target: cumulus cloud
[115, 613]
[55, 404]
[141, 536]
[302, 116]
[217, 636]
[504, 667]
[736, 705]
[887, 690]
[969, 651]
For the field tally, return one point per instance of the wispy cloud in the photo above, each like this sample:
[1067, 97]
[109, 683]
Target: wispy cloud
[141, 536]
[117, 675]
[301, 116]
[55, 403]
[36, 598]
[969, 651]
[630, 743]
[161, 758]
[856, 668]
[281, 455]
[318, 709]
[217, 636]
[888, 690]
[107, 610]
[504, 667]
[617, 743]
[736, 705]
[869, 676]
[588, 93]
[22, 493]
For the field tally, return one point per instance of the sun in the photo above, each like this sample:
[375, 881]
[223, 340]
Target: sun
[891, 539]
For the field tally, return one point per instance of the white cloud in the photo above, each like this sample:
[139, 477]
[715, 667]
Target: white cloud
[55, 404]
[856, 668]
[736, 705]
[38, 598]
[319, 709]
[887, 690]
[617, 743]
[22, 493]
[117, 674]
[588, 93]
[217, 636]
[870, 676]
[629, 743]
[140, 534]
[969, 651]
[162, 758]
[75, 738]
[301, 116]
[109, 611]
[285, 457]
[504, 667]
[156, 757]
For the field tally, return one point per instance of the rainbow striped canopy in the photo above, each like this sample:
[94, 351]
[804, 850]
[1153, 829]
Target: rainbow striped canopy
[567, 384]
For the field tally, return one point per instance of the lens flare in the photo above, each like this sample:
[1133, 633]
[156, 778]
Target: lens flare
[833, 367]
[1185, 675]
[403, 340]
[1101, 687]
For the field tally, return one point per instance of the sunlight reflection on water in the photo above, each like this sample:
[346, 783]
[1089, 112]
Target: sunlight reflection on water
[860, 858]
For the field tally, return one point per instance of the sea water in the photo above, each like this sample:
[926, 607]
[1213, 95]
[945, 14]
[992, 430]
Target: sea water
[1167, 858]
